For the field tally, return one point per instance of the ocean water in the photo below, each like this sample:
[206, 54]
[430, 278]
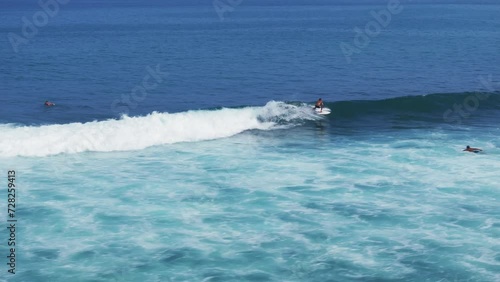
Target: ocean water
[183, 147]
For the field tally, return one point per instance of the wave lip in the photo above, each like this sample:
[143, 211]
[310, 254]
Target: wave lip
[136, 133]
[425, 105]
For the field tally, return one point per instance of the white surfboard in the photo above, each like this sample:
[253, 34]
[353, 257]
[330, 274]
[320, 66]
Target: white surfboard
[324, 111]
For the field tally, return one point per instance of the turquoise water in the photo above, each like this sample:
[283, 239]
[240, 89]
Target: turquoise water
[293, 203]
[223, 172]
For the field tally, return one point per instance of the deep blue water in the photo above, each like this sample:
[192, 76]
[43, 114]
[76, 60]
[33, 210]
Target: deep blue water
[85, 58]
[182, 146]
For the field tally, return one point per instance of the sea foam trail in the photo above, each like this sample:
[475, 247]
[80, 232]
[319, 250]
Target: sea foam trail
[135, 133]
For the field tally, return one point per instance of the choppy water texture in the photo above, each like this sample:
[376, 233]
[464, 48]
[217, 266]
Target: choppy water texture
[222, 172]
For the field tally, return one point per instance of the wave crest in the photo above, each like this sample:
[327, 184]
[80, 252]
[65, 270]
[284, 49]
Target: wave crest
[135, 133]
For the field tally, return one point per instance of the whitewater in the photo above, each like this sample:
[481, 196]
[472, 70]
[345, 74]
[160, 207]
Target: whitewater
[135, 133]
[220, 171]
[268, 193]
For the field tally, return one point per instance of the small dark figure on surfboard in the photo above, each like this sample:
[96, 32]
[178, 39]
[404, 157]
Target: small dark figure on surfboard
[49, 104]
[473, 150]
[319, 104]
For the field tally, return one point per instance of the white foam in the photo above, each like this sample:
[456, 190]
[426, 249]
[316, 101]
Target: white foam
[135, 133]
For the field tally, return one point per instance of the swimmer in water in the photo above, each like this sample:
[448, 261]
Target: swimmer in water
[473, 150]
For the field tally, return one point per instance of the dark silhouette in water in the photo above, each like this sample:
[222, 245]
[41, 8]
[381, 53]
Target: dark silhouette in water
[473, 150]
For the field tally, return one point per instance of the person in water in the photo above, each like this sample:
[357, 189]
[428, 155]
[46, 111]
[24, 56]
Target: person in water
[319, 104]
[49, 104]
[470, 149]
